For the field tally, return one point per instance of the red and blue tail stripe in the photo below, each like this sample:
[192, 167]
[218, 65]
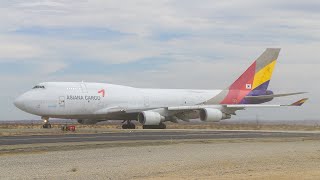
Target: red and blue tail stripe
[254, 81]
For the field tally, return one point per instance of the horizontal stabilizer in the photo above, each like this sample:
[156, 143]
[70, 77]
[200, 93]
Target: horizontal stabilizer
[272, 96]
[300, 102]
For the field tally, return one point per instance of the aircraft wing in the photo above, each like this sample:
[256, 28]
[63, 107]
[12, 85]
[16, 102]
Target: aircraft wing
[231, 108]
[118, 109]
[226, 108]
[298, 103]
[108, 110]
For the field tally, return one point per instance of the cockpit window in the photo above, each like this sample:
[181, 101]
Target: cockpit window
[38, 87]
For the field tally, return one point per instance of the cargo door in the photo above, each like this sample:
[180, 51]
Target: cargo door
[146, 101]
[62, 102]
[83, 87]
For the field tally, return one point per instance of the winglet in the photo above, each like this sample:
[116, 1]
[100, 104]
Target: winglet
[300, 102]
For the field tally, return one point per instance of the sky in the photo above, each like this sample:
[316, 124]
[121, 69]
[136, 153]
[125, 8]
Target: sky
[203, 44]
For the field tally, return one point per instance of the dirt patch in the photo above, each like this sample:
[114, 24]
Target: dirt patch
[206, 160]
[36, 129]
[74, 146]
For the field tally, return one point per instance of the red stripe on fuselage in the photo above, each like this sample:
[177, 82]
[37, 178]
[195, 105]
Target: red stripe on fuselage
[238, 90]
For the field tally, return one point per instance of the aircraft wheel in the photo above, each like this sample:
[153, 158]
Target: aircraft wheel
[132, 126]
[128, 125]
[160, 126]
[125, 126]
[46, 126]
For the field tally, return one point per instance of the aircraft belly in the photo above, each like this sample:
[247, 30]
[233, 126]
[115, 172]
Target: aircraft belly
[123, 116]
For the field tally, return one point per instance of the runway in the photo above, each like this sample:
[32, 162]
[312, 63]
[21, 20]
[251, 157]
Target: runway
[152, 135]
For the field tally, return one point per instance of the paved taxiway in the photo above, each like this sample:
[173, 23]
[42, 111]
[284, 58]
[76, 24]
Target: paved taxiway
[152, 135]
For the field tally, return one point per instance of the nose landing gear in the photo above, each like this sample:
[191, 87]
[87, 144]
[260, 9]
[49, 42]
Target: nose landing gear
[46, 122]
[128, 125]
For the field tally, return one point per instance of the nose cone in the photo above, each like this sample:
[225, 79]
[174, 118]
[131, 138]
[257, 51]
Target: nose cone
[19, 102]
[28, 102]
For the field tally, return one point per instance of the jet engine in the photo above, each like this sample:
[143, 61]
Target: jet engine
[87, 121]
[212, 115]
[150, 118]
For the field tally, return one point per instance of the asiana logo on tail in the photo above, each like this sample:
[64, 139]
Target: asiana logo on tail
[248, 86]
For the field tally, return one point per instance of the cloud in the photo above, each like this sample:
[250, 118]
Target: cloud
[161, 44]
[12, 48]
[70, 33]
[37, 4]
[93, 67]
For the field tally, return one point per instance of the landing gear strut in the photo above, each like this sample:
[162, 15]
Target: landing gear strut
[128, 125]
[46, 122]
[160, 126]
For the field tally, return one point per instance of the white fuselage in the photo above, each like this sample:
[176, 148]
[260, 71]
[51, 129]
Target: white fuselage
[80, 100]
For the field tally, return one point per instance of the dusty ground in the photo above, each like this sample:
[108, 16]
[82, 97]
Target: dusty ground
[211, 160]
[36, 129]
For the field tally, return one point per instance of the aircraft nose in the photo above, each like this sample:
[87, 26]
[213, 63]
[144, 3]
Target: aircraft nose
[19, 102]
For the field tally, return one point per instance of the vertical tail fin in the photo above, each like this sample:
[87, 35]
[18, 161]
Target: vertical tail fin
[264, 68]
[255, 80]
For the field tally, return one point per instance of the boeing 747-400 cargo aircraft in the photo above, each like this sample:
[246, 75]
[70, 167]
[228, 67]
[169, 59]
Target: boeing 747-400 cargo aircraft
[90, 103]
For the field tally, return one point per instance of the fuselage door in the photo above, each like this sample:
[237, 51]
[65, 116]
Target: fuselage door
[83, 87]
[146, 101]
[62, 102]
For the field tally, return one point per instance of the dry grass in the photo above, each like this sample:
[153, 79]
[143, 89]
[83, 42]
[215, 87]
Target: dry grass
[245, 127]
[36, 129]
[217, 126]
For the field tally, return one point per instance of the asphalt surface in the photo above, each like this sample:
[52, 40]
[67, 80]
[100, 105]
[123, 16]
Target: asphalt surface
[151, 135]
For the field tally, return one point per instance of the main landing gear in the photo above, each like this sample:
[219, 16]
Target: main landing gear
[128, 125]
[46, 122]
[160, 126]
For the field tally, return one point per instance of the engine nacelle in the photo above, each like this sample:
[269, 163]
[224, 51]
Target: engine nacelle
[87, 121]
[150, 118]
[212, 115]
